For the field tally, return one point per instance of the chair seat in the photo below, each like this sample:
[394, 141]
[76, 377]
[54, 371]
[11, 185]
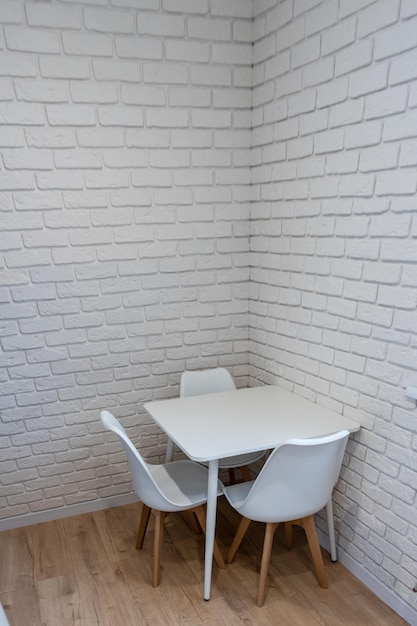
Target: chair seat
[241, 459]
[237, 494]
[183, 483]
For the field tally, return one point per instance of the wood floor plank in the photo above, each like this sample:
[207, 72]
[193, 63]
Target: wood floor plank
[86, 571]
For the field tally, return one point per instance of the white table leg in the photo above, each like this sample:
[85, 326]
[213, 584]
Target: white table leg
[330, 529]
[210, 524]
[169, 456]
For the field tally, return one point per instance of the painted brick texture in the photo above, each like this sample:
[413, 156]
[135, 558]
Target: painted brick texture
[124, 220]
[215, 182]
[333, 252]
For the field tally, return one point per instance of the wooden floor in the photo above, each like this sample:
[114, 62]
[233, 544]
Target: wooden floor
[84, 570]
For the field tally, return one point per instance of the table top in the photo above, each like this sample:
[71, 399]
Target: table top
[219, 425]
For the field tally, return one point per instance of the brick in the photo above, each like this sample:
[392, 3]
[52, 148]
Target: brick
[19, 66]
[189, 96]
[305, 52]
[289, 83]
[145, 5]
[11, 12]
[186, 51]
[313, 122]
[120, 116]
[206, 75]
[328, 141]
[347, 7]
[400, 182]
[380, 158]
[400, 126]
[210, 119]
[408, 9]
[377, 16]
[29, 90]
[305, 102]
[13, 181]
[51, 67]
[28, 159]
[231, 98]
[352, 58]
[165, 73]
[88, 92]
[237, 54]
[105, 21]
[50, 138]
[186, 6]
[59, 180]
[389, 102]
[43, 14]
[30, 40]
[365, 134]
[357, 185]
[322, 17]
[345, 113]
[318, 72]
[397, 39]
[160, 25]
[342, 163]
[339, 36]
[332, 93]
[70, 115]
[77, 159]
[21, 114]
[97, 138]
[368, 80]
[264, 49]
[403, 68]
[203, 28]
[128, 71]
[95, 45]
[231, 8]
[134, 48]
[248, 31]
[6, 90]
[292, 34]
[278, 65]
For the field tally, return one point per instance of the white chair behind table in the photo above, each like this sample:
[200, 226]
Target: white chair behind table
[295, 483]
[199, 382]
[166, 488]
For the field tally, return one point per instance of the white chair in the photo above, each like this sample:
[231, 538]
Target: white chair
[199, 382]
[176, 486]
[295, 483]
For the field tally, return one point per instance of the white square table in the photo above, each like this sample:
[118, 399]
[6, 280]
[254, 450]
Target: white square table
[214, 426]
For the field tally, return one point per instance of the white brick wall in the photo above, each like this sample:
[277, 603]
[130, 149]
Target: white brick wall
[130, 161]
[124, 243]
[341, 315]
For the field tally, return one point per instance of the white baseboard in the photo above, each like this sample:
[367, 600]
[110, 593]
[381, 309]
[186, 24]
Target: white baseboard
[67, 511]
[386, 595]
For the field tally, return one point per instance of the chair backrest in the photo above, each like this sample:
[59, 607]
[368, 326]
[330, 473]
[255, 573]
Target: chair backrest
[198, 382]
[145, 486]
[297, 479]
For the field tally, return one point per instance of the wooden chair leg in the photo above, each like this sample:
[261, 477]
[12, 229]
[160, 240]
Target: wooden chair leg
[200, 513]
[316, 555]
[288, 534]
[240, 533]
[157, 544]
[232, 476]
[143, 524]
[266, 557]
[194, 522]
[246, 473]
